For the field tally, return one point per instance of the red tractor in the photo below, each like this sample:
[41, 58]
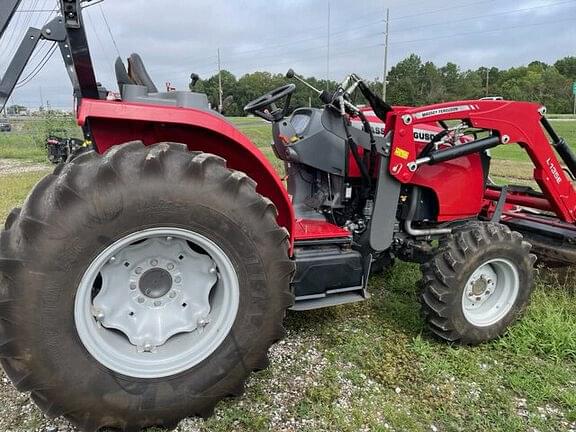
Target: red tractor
[143, 281]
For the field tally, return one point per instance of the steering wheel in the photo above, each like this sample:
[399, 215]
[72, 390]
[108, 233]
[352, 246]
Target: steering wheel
[265, 106]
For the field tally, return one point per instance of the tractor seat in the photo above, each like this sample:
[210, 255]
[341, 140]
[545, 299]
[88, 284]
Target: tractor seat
[138, 73]
[135, 75]
[136, 86]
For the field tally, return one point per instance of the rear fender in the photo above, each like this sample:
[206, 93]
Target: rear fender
[114, 123]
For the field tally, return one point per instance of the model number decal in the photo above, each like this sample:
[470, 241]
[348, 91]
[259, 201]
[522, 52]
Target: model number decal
[554, 171]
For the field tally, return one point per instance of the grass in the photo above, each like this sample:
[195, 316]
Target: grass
[513, 152]
[372, 366]
[15, 188]
[27, 140]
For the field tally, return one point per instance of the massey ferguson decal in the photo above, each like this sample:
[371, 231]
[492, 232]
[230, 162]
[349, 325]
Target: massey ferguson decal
[447, 110]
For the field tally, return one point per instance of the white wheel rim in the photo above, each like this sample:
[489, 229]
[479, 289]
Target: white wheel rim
[490, 292]
[166, 300]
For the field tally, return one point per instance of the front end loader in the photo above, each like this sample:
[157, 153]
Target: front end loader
[146, 278]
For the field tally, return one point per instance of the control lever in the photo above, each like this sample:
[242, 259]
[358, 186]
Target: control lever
[324, 95]
[291, 74]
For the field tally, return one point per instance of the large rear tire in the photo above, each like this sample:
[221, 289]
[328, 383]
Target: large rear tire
[477, 283]
[100, 317]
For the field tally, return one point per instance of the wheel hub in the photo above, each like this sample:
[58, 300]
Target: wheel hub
[479, 286]
[157, 302]
[490, 292]
[155, 283]
[154, 290]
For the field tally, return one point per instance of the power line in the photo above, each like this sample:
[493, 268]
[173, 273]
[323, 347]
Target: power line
[473, 18]
[38, 68]
[245, 58]
[109, 29]
[483, 31]
[243, 54]
[385, 76]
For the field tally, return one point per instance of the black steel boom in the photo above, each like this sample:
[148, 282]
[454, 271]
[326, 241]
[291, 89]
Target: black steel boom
[68, 31]
[7, 11]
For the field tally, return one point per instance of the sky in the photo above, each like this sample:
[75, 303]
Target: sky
[178, 37]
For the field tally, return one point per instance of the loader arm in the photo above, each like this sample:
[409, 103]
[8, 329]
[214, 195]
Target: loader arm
[519, 123]
[68, 33]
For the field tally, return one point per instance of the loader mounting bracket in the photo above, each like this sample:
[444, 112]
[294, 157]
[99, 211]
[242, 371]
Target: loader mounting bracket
[68, 31]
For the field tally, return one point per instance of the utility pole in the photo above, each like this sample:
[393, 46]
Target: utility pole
[328, 53]
[220, 91]
[385, 79]
[41, 99]
[487, 82]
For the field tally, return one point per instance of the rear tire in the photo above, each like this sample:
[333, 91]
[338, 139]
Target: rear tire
[477, 283]
[71, 218]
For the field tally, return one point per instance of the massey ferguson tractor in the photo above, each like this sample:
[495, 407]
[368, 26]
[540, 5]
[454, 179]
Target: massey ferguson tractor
[143, 281]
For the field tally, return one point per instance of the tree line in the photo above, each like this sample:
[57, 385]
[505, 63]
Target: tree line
[413, 82]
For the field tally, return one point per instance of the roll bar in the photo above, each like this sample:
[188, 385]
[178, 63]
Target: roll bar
[68, 31]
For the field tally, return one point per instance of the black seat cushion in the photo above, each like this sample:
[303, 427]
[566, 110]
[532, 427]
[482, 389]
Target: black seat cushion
[122, 75]
[137, 72]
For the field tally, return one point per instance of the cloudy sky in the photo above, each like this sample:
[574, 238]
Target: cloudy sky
[177, 37]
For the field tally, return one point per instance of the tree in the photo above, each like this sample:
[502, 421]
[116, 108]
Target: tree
[567, 67]
[414, 83]
[405, 86]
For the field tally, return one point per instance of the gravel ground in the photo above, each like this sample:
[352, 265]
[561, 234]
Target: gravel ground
[296, 357]
[12, 166]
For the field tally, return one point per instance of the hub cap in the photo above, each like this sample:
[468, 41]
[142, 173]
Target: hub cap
[490, 292]
[157, 302]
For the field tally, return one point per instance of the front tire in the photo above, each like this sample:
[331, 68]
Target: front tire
[477, 283]
[97, 245]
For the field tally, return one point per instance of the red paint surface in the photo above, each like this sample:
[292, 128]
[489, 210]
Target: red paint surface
[520, 121]
[307, 229]
[520, 199]
[114, 123]
[457, 184]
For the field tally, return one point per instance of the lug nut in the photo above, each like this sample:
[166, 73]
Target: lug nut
[203, 322]
[172, 294]
[169, 238]
[154, 262]
[157, 303]
[213, 270]
[140, 300]
[112, 259]
[138, 270]
[148, 347]
[99, 315]
[170, 266]
[177, 279]
[132, 286]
